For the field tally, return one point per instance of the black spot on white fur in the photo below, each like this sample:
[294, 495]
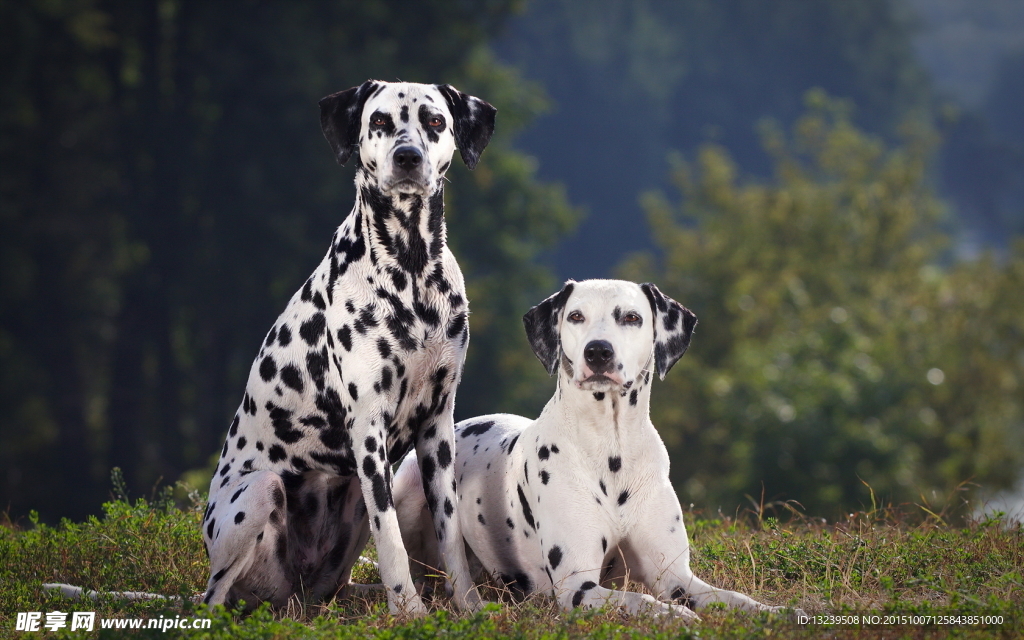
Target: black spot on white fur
[577, 597]
[555, 556]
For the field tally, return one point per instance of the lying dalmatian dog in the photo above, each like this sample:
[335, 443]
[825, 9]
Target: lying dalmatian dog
[361, 367]
[570, 502]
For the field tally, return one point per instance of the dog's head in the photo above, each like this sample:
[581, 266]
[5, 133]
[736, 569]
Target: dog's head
[606, 333]
[405, 133]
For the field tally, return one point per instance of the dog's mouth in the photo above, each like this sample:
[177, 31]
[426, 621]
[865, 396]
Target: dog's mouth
[600, 382]
[418, 186]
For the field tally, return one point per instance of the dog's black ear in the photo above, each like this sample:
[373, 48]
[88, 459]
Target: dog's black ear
[542, 325]
[474, 123]
[339, 118]
[673, 327]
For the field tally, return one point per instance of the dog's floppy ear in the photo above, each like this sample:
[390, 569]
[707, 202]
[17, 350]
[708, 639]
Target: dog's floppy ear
[673, 326]
[542, 324]
[474, 122]
[339, 118]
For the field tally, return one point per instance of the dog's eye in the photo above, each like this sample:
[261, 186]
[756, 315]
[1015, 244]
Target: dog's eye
[380, 122]
[575, 317]
[632, 318]
[436, 121]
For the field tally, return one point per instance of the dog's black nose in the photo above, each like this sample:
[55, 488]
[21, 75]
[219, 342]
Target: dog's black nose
[599, 355]
[407, 158]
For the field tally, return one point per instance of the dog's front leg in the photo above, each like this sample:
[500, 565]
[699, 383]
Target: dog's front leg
[574, 558]
[661, 551]
[374, 471]
[435, 450]
[581, 589]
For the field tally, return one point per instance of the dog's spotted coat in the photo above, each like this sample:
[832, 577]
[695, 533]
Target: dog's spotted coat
[361, 367]
[570, 503]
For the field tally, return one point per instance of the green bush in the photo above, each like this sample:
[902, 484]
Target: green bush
[839, 344]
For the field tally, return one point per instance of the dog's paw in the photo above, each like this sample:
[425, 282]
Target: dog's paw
[357, 590]
[793, 614]
[471, 601]
[681, 611]
[411, 607]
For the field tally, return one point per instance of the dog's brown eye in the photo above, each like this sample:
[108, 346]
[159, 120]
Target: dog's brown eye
[631, 318]
[436, 121]
[575, 317]
[379, 122]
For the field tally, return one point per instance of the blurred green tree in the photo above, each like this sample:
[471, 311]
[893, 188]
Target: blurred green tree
[837, 342]
[165, 188]
[632, 80]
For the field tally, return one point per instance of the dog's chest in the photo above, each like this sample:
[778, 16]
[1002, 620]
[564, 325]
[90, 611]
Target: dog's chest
[399, 349]
[411, 313]
[366, 351]
[606, 473]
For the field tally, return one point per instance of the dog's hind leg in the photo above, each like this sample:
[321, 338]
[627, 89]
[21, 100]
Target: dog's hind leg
[246, 533]
[345, 526]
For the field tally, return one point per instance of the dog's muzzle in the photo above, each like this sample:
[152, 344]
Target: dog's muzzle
[599, 370]
[408, 173]
[599, 356]
[407, 159]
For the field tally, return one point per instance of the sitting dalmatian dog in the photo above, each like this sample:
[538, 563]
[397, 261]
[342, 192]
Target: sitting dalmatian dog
[574, 501]
[361, 367]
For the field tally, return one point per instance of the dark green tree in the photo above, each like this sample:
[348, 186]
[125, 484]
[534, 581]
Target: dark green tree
[165, 188]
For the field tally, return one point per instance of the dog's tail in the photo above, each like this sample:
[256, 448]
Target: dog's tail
[72, 592]
[78, 593]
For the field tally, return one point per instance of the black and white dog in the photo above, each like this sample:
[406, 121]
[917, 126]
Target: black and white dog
[361, 367]
[580, 497]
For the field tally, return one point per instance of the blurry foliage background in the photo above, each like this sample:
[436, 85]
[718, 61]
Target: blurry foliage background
[164, 188]
[839, 346]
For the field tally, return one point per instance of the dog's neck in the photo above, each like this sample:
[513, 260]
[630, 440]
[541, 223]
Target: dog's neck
[402, 230]
[626, 410]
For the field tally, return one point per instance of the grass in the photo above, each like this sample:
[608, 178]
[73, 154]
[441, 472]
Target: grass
[879, 563]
